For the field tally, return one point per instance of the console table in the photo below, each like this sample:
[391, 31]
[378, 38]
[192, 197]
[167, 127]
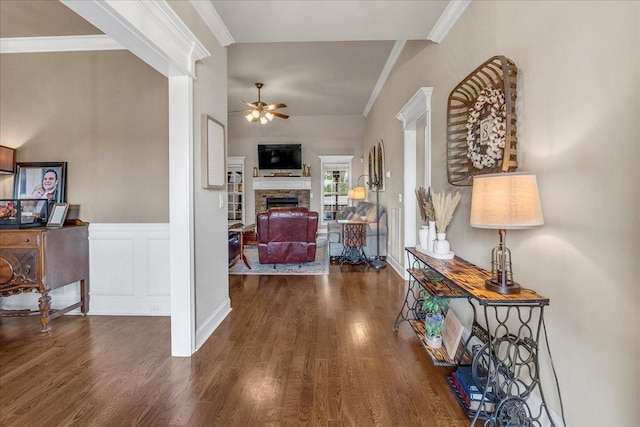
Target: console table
[505, 364]
[43, 259]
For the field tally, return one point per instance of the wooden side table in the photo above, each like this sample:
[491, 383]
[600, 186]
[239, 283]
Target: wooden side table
[43, 259]
[241, 230]
[354, 239]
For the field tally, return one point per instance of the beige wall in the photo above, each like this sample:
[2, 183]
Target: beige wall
[106, 115]
[578, 127]
[319, 136]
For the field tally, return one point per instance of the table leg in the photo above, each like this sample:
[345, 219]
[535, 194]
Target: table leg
[244, 258]
[44, 303]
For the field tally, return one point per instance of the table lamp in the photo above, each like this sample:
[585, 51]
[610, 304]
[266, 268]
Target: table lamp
[504, 201]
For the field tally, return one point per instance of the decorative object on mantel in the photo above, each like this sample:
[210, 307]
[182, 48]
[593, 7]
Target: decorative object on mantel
[505, 201]
[481, 122]
[444, 205]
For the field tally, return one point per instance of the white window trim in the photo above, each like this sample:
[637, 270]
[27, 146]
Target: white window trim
[332, 160]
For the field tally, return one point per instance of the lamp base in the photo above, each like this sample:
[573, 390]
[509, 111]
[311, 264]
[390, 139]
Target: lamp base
[508, 288]
[377, 264]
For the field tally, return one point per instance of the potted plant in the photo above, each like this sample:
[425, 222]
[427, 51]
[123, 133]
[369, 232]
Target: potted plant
[435, 309]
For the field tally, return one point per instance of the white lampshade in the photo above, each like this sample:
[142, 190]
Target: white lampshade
[505, 201]
[358, 193]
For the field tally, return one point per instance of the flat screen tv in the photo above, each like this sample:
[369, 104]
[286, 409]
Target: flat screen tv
[280, 156]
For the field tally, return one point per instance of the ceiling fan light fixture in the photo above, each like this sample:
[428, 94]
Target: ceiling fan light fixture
[255, 114]
[269, 116]
[263, 120]
[249, 117]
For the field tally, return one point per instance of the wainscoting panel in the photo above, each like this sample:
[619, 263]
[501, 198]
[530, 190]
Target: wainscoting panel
[129, 266]
[395, 235]
[129, 273]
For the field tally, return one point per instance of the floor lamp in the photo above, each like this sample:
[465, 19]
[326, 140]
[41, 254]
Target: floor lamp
[358, 193]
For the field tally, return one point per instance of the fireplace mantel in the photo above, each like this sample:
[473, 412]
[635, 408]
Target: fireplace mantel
[282, 183]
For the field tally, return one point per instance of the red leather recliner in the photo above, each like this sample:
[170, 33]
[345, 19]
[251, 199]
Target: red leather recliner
[287, 235]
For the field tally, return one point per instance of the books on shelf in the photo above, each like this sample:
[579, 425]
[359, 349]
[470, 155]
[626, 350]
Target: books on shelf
[469, 393]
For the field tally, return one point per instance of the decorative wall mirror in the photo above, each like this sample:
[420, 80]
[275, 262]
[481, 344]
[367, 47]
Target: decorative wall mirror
[481, 122]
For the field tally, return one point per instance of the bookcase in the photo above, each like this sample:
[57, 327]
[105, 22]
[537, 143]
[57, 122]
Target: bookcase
[235, 189]
[502, 349]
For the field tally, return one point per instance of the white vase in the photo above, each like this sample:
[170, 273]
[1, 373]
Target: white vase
[423, 236]
[433, 342]
[432, 236]
[441, 246]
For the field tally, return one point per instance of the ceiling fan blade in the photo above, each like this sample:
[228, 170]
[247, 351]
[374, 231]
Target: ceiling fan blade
[275, 106]
[249, 104]
[282, 116]
[241, 111]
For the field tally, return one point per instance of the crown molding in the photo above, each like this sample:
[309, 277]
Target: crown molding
[211, 18]
[151, 30]
[58, 44]
[384, 74]
[453, 11]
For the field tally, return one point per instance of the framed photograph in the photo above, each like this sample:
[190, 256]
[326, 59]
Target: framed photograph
[213, 153]
[58, 214]
[40, 180]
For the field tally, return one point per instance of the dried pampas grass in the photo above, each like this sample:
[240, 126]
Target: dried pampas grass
[425, 205]
[444, 206]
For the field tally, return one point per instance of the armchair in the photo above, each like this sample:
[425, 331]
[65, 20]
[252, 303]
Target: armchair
[287, 235]
[363, 209]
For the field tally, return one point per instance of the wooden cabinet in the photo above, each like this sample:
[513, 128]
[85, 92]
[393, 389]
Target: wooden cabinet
[43, 259]
[235, 189]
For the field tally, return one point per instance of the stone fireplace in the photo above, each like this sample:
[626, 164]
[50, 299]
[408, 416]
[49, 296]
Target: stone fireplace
[285, 189]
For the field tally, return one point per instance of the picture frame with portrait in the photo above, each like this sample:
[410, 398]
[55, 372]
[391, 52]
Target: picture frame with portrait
[41, 180]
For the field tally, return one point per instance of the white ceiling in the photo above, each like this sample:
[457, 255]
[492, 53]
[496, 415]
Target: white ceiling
[319, 57]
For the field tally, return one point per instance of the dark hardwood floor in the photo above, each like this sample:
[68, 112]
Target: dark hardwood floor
[295, 351]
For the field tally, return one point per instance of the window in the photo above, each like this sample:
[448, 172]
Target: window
[336, 180]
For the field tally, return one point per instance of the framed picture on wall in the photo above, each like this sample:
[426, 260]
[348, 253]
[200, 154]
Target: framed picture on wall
[40, 180]
[213, 153]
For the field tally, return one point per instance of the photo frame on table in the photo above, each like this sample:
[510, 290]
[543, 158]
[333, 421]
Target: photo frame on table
[214, 159]
[58, 214]
[41, 180]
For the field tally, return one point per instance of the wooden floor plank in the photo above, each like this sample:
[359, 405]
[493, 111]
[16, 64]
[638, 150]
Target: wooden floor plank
[295, 351]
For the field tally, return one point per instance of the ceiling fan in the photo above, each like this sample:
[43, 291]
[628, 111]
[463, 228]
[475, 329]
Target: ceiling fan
[261, 112]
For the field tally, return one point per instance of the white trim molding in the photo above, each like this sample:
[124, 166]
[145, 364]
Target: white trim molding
[449, 17]
[416, 112]
[210, 16]
[58, 44]
[151, 30]
[384, 74]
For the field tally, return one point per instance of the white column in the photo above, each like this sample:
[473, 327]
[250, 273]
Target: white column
[181, 227]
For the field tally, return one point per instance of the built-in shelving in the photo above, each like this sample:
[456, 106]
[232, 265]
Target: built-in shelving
[235, 189]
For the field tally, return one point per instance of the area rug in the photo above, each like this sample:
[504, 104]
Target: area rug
[319, 267]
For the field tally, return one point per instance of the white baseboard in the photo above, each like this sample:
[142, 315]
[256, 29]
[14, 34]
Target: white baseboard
[211, 324]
